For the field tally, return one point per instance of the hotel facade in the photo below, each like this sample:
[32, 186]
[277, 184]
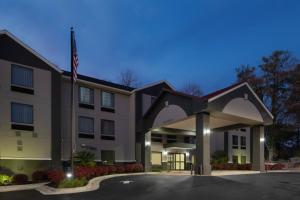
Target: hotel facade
[154, 125]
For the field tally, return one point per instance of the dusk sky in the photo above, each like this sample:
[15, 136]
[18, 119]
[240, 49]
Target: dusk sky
[179, 41]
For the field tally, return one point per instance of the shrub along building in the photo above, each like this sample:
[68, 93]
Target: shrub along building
[153, 125]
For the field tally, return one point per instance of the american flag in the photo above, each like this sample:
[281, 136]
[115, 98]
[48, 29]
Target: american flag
[74, 56]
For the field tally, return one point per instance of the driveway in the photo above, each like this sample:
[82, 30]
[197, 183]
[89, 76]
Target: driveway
[255, 186]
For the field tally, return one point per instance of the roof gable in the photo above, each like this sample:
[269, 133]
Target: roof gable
[6, 35]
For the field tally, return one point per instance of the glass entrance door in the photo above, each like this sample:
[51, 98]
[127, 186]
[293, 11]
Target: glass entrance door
[176, 161]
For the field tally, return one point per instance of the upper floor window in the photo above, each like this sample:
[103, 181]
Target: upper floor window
[235, 142]
[21, 113]
[171, 138]
[86, 95]
[86, 127]
[107, 129]
[21, 76]
[156, 137]
[243, 142]
[107, 100]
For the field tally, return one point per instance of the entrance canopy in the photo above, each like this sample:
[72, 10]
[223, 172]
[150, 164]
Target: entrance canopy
[231, 107]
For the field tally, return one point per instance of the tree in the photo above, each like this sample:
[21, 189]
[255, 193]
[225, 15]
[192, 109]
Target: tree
[293, 103]
[273, 86]
[275, 73]
[192, 88]
[128, 78]
[85, 158]
[248, 73]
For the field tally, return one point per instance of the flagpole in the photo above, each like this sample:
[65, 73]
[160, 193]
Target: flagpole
[72, 105]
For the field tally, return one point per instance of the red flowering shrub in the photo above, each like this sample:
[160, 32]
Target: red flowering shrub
[19, 179]
[231, 166]
[85, 172]
[55, 176]
[112, 169]
[39, 176]
[101, 170]
[277, 166]
[120, 169]
[134, 168]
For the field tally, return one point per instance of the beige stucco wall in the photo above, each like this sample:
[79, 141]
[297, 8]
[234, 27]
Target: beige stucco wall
[34, 148]
[239, 152]
[124, 143]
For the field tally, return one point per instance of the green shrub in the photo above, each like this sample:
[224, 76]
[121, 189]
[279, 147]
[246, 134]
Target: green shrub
[72, 183]
[85, 159]
[219, 157]
[5, 179]
[156, 168]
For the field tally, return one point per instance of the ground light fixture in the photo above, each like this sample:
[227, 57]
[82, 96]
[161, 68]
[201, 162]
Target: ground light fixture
[69, 175]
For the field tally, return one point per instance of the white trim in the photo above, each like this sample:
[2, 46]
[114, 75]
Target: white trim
[238, 86]
[152, 84]
[23, 158]
[5, 32]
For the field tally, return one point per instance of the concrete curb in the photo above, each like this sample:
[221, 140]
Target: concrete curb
[10, 188]
[92, 185]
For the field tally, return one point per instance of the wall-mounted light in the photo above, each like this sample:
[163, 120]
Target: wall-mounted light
[165, 153]
[147, 143]
[206, 131]
[262, 139]
[187, 154]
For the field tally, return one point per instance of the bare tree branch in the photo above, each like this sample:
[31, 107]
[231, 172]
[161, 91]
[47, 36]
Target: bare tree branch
[192, 88]
[128, 78]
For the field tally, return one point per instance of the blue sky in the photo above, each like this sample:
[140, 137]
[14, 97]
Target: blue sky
[180, 41]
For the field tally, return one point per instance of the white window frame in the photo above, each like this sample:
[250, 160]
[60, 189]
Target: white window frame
[87, 133]
[114, 128]
[112, 100]
[91, 95]
[25, 68]
[28, 105]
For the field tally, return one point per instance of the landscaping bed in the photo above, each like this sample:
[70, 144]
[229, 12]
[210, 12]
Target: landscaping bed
[82, 174]
[231, 166]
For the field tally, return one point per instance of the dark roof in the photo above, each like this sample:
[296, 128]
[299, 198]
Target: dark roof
[101, 82]
[216, 93]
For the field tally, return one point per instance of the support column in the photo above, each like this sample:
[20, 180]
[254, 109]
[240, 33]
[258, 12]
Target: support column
[258, 148]
[202, 153]
[147, 147]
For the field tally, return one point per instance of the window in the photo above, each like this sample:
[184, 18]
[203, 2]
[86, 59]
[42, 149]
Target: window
[243, 142]
[86, 95]
[171, 138]
[107, 129]
[21, 76]
[235, 159]
[108, 156]
[243, 159]
[21, 113]
[156, 137]
[156, 158]
[86, 127]
[235, 142]
[107, 100]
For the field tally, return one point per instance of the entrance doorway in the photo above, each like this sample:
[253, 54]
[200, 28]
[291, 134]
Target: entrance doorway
[176, 161]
